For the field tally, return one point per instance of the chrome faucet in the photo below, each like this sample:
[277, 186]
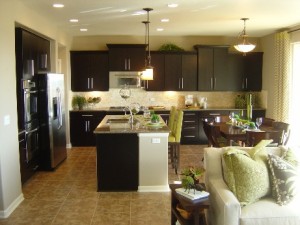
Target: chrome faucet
[131, 115]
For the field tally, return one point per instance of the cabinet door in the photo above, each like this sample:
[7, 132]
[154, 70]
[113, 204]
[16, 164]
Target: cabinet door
[189, 72]
[172, 72]
[126, 57]
[221, 80]
[253, 71]
[158, 82]
[205, 69]
[89, 71]
[82, 126]
[236, 69]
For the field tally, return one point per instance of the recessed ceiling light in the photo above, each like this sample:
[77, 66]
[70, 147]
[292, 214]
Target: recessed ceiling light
[58, 5]
[73, 20]
[165, 20]
[159, 29]
[83, 29]
[172, 5]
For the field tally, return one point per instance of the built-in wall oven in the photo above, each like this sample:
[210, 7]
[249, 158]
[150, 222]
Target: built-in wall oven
[30, 94]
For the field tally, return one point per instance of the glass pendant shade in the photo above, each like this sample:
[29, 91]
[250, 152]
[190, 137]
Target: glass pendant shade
[244, 45]
[147, 73]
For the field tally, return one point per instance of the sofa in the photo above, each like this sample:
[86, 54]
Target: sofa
[226, 209]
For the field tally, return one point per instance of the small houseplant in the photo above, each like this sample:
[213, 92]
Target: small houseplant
[78, 102]
[154, 118]
[191, 178]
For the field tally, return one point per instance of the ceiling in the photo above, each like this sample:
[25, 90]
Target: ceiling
[190, 18]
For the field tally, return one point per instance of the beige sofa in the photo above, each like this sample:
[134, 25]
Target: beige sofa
[225, 208]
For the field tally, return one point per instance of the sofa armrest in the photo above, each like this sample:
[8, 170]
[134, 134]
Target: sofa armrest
[224, 209]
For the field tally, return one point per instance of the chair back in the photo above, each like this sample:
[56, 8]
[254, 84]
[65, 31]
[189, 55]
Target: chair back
[172, 117]
[284, 128]
[177, 127]
[254, 137]
[267, 121]
[206, 127]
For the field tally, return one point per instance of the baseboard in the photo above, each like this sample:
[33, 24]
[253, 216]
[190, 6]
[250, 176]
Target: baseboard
[159, 188]
[6, 213]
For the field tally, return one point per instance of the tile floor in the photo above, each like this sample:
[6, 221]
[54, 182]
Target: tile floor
[68, 196]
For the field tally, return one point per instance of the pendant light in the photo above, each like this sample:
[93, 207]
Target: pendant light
[244, 45]
[148, 72]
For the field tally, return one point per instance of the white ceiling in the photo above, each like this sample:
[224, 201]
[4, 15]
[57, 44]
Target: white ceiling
[191, 17]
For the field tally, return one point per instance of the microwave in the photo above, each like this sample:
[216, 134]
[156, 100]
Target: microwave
[120, 79]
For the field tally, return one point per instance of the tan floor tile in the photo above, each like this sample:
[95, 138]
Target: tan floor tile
[111, 219]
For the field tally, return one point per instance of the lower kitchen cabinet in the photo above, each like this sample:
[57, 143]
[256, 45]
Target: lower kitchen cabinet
[82, 126]
[190, 128]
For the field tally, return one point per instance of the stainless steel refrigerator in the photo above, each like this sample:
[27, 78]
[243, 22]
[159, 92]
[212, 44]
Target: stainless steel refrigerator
[51, 107]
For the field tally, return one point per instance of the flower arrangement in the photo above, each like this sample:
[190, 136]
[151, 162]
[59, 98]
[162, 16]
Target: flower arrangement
[191, 178]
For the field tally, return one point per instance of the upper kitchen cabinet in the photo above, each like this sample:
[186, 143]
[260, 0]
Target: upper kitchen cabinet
[213, 68]
[180, 71]
[126, 57]
[158, 82]
[246, 71]
[89, 71]
[33, 54]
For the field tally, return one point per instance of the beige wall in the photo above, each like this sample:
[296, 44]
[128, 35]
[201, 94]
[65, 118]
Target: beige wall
[12, 12]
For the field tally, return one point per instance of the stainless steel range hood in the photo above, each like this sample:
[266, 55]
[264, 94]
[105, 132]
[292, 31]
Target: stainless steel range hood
[117, 79]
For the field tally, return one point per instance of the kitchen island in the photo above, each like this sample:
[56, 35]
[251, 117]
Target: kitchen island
[131, 156]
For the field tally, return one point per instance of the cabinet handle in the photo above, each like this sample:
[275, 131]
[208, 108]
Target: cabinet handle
[88, 83]
[86, 115]
[147, 84]
[211, 83]
[89, 128]
[86, 128]
[129, 64]
[215, 114]
[92, 83]
[179, 83]
[190, 114]
[189, 121]
[215, 83]
[189, 128]
[182, 83]
[246, 82]
[190, 136]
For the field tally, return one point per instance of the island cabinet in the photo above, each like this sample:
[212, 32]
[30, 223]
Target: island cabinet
[82, 126]
[89, 71]
[213, 68]
[126, 57]
[180, 72]
[245, 71]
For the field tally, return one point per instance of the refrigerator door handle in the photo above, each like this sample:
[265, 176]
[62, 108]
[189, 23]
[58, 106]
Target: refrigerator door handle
[59, 108]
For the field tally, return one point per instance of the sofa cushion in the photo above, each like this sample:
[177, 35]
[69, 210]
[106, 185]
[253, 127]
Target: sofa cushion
[284, 178]
[246, 174]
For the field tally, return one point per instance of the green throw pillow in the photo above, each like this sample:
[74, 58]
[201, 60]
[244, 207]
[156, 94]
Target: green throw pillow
[246, 174]
[284, 178]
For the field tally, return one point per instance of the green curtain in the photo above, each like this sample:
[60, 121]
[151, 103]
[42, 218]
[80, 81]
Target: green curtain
[282, 76]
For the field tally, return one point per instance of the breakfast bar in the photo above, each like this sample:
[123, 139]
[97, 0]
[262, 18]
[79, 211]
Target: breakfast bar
[132, 155]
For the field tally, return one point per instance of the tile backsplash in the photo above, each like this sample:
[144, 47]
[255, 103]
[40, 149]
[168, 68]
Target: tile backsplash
[166, 98]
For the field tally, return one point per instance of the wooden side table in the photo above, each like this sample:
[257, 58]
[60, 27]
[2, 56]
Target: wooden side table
[193, 206]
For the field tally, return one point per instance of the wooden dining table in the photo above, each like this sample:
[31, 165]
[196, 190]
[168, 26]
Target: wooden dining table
[237, 134]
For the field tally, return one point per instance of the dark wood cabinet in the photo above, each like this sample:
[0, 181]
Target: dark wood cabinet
[126, 57]
[190, 128]
[32, 54]
[245, 71]
[82, 126]
[173, 71]
[213, 68]
[158, 82]
[180, 72]
[89, 71]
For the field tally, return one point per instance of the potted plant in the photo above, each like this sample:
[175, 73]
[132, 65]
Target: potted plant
[78, 102]
[191, 178]
[154, 118]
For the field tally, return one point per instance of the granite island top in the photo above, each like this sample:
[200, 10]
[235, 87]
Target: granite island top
[119, 124]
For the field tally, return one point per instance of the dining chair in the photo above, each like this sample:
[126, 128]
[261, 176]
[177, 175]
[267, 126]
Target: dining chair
[174, 140]
[267, 121]
[285, 131]
[217, 139]
[254, 137]
[172, 117]
[206, 122]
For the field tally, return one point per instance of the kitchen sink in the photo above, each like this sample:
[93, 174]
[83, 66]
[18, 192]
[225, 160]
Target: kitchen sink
[118, 120]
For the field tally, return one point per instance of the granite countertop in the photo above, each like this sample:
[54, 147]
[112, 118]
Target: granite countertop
[118, 124]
